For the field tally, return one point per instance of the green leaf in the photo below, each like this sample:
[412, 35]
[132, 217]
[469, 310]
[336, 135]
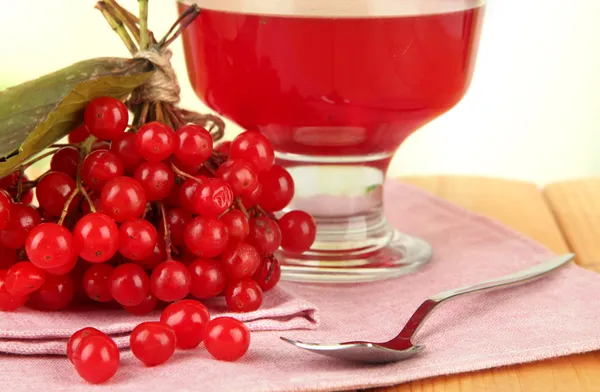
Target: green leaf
[38, 113]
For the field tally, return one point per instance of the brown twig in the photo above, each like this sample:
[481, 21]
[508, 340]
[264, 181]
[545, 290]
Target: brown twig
[183, 174]
[65, 210]
[167, 231]
[158, 109]
[180, 24]
[144, 114]
[83, 151]
[240, 205]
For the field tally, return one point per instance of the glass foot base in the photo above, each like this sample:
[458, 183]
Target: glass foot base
[402, 255]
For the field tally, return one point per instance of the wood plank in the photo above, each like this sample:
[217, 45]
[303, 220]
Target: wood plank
[522, 207]
[576, 206]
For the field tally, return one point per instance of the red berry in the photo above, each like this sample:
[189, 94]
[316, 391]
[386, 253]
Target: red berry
[223, 148]
[238, 226]
[129, 284]
[77, 337]
[126, 150]
[53, 190]
[255, 148]
[206, 237]
[265, 235]
[240, 175]
[147, 306]
[155, 141]
[5, 204]
[8, 257]
[240, 261]
[152, 343]
[123, 198]
[159, 254]
[96, 358]
[173, 199]
[212, 198]
[106, 118]
[243, 296]
[99, 167]
[187, 192]
[177, 220]
[78, 135]
[63, 269]
[50, 245]
[277, 189]
[251, 200]
[170, 281]
[23, 278]
[268, 275]
[23, 218]
[9, 302]
[96, 238]
[208, 278]
[188, 318]
[96, 282]
[65, 160]
[156, 178]
[193, 145]
[96, 201]
[137, 239]
[298, 231]
[55, 294]
[227, 339]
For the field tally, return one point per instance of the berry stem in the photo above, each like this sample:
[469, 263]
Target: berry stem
[180, 24]
[265, 213]
[65, 210]
[127, 18]
[143, 6]
[37, 159]
[158, 110]
[143, 114]
[240, 205]
[59, 145]
[183, 174]
[174, 116]
[83, 151]
[163, 213]
[117, 26]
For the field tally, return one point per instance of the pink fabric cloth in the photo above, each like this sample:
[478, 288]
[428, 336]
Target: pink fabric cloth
[555, 316]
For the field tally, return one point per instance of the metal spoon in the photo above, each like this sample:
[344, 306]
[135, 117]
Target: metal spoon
[401, 347]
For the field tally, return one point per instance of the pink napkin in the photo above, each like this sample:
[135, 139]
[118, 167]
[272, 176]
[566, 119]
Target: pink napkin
[555, 316]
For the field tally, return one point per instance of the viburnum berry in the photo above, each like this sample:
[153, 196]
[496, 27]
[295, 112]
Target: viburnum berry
[208, 278]
[76, 338]
[187, 192]
[96, 358]
[96, 237]
[5, 204]
[193, 145]
[277, 189]
[153, 343]
[79, 134]
[212, 198]
[243, 296]
[123, 198]
[189, 319]
[298, 231]
[146, 306]
[23, 278]
[106, 118]
[158, 255]
[240, 175]
[173, 199]
[177, 220]
[238, 226]
[206, 237]
[53, 190]
[223, 148]
[137, 239]
[251, 200]
[23, 218]
[49, 245]
[65, 160]
[99, 167]
[269, 274]
[156, 178]
[8, 257]
[63, 269]
[155, 141]
[96, 282]
[226, 338]
[9, 302]
[264, 235]
[126, 149]
[129, 284]
[55, 294]
[254, 148]
[240, 261]
[170, 281]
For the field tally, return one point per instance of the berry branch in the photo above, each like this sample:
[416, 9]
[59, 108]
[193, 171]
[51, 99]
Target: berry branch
[167, 230]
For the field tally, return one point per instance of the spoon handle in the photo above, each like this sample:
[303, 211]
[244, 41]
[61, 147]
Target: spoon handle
[514, 279]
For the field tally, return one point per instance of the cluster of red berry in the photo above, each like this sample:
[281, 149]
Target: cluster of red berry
[183, 324]
[147, 215]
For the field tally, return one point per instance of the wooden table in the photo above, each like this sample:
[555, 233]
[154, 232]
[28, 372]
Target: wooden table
[563, 216]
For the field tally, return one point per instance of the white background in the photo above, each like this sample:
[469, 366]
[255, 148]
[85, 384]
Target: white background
[532, 113]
